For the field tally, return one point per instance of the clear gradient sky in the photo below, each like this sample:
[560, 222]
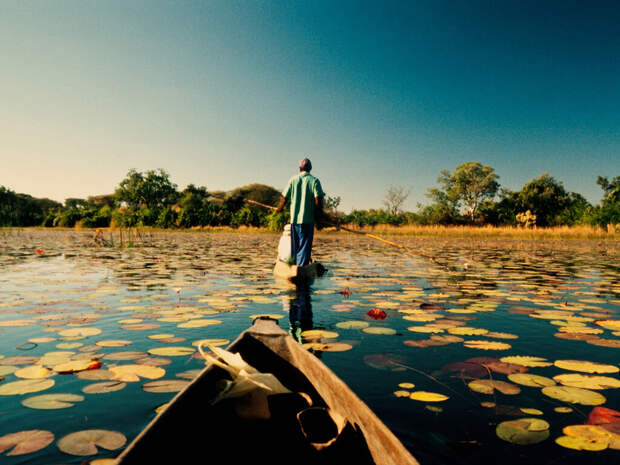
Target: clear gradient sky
[227, 93]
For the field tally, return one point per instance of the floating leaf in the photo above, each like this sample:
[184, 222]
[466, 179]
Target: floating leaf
[213, 342]
[528, 379]
[406, 385]
[318, 334]
[488, 386]
[578, 443]
[563, 409]
[467, 331]
[424, 396]
[603, 415]
[33, 372]
[77, 365]
[125, 355]
[585, 366]
[524, 431]
[113, 343]
[487, 345]
[379, 330]
[25, 386]
[104, 387]
[52, 401]
[402, 393]
[498, 366]
[352, 324]
[86, 442]
[328, 347]
[26, 442]
[131, 373]
[527, 361]
[172, 351]
[198, 323]
[425, 329]
[531, 411]
[79, 332]
[574, 395]
[165, 385]
[587, 382]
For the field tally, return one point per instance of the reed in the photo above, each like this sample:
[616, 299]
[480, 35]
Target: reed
[612, 232]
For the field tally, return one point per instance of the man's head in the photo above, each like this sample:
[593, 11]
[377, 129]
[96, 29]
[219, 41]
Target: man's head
[305, 165]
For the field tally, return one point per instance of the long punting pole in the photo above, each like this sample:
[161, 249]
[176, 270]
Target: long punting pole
[357, 232]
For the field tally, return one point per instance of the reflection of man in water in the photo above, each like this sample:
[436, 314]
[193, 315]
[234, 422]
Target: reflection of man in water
[300, 312]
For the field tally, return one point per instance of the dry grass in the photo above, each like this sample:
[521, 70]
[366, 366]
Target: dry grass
[559, 232]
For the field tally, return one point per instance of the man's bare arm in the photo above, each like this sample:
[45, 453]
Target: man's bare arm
[281, 206]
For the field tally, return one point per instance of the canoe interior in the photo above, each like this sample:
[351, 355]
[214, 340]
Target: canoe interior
[191, 430]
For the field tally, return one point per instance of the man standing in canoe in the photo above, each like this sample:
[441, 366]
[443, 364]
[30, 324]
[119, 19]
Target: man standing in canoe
[305, 194]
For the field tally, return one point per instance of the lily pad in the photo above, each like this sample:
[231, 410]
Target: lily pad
[25, 386]
[33, 372]
[172, 351]
[487, 345]
[104, 387]
[52, 401]
[79, 332]
[25, 442]
[586, 367]
[574, 395]
[527, 361]
[86, 442]
[352, 324]
[130, 373]
[425, 396]
[489, 386]
[587, 382]
[524, 431]
[379, 330]
[528, 379]
[165, 385]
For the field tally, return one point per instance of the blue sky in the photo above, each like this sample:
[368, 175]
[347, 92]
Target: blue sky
[376, 94]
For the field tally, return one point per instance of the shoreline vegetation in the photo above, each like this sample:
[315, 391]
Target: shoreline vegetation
[468, 203]
[116, 235]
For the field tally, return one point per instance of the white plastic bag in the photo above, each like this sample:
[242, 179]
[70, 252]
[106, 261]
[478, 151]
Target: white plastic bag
[285, 247]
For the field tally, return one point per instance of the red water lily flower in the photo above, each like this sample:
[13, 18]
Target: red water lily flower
[40, 252]
[346, 291]
[377, 314]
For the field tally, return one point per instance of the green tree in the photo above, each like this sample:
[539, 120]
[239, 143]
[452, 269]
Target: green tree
[151, 190]
[609, 210]
[546, 198]
[469, 185]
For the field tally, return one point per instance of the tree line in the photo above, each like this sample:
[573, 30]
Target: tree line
[470, 194]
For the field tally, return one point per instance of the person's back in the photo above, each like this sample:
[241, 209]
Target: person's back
[305, 194]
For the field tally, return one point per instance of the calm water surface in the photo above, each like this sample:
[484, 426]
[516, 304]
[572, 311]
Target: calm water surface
[539, 299]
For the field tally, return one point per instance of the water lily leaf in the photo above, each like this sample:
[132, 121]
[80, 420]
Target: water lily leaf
[585, 366]
[379, 330]
[467, 331]
[488, 386]
[113, 343]
[385, 362]
[578, 443]
[79, 332]
[33, 372]
[574, 395]
[487, 345]
[593, 434]
[328, 347]
[563, 409]
[425, 329]
[140, 326]
[131, 373]
[165, 385]
[198, 323]
[402, 393]
[20, 360]
[531, 411]
[52, 401]
[318, 334]
[125, 355]
[104, 387]
[7, 369]
[425, 396]
[465, 370]
[528, 379]
[172, 351]
[352, 324]
[527, 361]
[613, 325]
[213, 342]
[25, 386]
[86, 442]
[498, 366]
[94, 374]
[587, 382]
[406, 385]
[603, 415]
[77, 365]
[524, 431]
[25, 442]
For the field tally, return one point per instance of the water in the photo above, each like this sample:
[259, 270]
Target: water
[519, 294]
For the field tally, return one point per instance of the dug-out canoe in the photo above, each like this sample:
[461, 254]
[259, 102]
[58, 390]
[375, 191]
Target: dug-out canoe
[296, 273]
[328, 423]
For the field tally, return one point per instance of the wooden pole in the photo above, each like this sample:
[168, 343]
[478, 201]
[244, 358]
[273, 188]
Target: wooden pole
[372, 236]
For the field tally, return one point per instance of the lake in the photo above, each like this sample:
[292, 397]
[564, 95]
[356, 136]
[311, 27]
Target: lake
[492, 349]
